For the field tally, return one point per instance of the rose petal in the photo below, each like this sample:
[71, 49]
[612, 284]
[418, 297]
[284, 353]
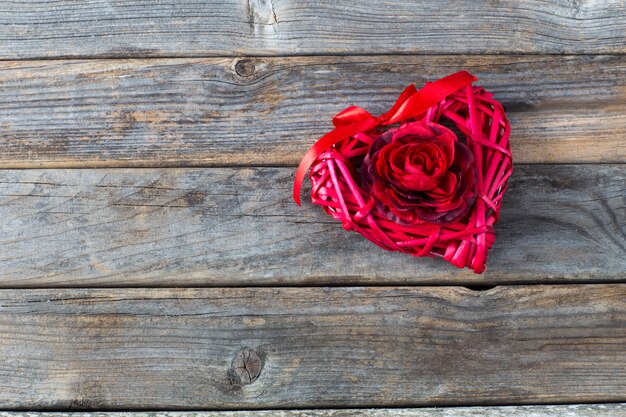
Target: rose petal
[410, 132]
[463, 156]
[447, 138]
[420, 172]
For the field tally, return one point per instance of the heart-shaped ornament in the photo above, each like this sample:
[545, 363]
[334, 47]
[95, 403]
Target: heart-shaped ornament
[427, 178]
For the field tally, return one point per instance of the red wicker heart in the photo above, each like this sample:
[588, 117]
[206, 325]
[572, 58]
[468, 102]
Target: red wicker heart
[340, 187]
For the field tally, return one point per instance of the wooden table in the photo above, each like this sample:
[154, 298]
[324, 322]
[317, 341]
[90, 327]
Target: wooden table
[152, 259]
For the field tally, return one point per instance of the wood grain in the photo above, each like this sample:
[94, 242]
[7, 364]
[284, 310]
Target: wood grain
[202, 112]
[239, 226]
[138, 28]
[321, 347]
[574, 410]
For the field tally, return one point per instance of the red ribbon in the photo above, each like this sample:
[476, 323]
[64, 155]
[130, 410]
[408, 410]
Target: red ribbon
[354, 119]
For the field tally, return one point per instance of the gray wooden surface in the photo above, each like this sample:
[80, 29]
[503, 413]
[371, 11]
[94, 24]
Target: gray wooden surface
[120, 28]
[217, 101]
[317, 347]
[239, 226]
[577, 410]
[181, 112]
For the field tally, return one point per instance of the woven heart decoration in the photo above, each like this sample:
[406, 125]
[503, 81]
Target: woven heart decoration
[426, 178]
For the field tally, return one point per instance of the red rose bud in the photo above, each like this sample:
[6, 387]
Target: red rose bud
[420, 172]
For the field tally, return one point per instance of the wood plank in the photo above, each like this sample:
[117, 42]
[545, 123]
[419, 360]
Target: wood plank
[315, 347]
[201, 112]
[239, 226]
[574, 410]
[138, 28]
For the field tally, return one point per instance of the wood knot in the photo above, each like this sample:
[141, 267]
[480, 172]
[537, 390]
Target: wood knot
[246, 367]
[244, 67]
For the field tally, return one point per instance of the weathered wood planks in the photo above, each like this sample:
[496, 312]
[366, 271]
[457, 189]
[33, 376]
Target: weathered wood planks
[202, 112]
[239, 226]
[318, 347]
[254, 83]
[574, 410]
[138, 28]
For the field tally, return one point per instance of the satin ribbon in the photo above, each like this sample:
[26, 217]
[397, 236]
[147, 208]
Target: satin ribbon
[354, 119]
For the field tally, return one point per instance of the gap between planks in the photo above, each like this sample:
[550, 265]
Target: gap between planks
[252, 55]
[570, 410]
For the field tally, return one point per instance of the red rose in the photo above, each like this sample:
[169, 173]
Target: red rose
[420, 172]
